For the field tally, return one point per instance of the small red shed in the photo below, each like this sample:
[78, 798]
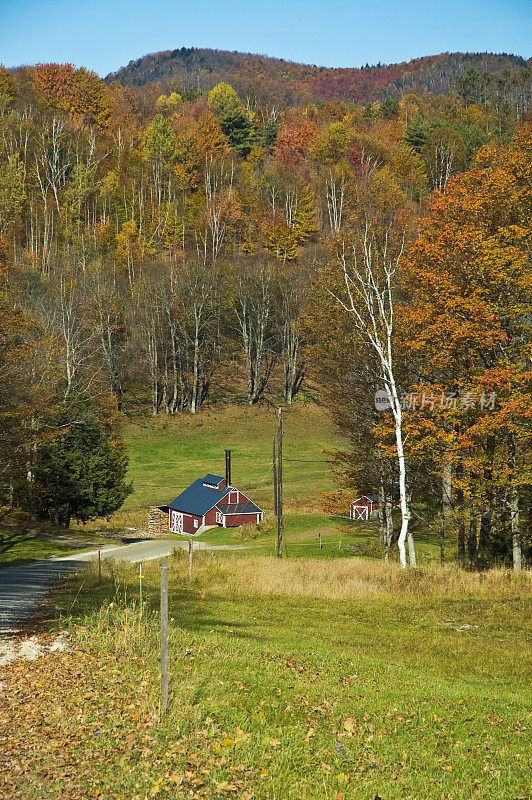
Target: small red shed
[362, 507]
[207, 502]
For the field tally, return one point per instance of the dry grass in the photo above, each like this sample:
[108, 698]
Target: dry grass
[346, 579]
[121, 521]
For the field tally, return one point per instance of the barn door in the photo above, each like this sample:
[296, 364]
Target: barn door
[176, 522]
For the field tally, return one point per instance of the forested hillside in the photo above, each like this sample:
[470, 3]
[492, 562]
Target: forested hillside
[177, 244]
[272, 79]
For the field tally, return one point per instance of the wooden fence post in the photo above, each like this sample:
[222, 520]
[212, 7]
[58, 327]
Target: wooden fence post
[99, 566]
[275, 487]
[320, 540]
[190, 559]
[164, 636]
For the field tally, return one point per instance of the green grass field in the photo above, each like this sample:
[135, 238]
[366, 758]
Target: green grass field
[325, 676]
[167, 454]
[307, 679]
[22, 540]
[19, 548]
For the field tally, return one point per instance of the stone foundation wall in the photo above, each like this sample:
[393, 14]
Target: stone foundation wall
[157, 522]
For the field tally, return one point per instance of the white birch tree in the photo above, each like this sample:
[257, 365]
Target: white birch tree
[369, 276]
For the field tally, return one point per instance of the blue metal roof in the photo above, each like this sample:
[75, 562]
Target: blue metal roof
[239, 508]
[198, 499]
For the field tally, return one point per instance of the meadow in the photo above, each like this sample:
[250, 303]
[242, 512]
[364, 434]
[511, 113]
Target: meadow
[320, 680]
[168, 453]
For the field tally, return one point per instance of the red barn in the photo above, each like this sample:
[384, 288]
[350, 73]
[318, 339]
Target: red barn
[362, 507]
[207, 502]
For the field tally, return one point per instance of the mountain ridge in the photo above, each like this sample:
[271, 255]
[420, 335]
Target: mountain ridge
[296, 84]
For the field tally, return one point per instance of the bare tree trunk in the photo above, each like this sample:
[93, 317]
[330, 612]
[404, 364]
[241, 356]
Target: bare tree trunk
[516, 531]
[446, 488]
[405, 510]
[389, 526]
[410, 538]
[195, 376]
[254, 309]
[442, 540]
[514, 511]
[461, 543]
[31, 494]
[461, 520]
[486, 510]
[385, 512]
[382, 514]
[472, 540]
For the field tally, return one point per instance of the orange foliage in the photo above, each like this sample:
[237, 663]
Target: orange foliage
[76, 91]
[294, 140]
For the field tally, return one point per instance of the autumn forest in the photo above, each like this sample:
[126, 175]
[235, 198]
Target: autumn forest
[204, 227]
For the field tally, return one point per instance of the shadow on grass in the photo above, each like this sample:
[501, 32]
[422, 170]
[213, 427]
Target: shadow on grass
[185, 607]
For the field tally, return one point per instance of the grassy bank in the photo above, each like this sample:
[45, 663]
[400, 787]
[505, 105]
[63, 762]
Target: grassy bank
[300, 679]
[22, 540]
[18, 548]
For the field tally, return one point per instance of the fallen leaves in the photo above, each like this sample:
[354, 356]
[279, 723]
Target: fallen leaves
[224, 786]
[350, 725]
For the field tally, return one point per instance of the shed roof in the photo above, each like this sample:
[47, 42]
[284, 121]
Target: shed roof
[239, 508]
[373, 498]
[198, 499]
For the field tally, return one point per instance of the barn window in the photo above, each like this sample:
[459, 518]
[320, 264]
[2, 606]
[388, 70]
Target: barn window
[195, 523]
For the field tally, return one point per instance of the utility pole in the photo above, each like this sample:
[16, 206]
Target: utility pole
[164, 637]
[274, 463]
[228, 468]
[280, 486]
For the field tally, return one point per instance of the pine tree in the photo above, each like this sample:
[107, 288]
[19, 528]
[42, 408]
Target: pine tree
[234, 121]
[81, 474]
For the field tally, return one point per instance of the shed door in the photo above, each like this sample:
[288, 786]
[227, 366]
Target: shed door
[176, 522]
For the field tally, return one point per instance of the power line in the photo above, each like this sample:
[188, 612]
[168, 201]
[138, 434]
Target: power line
[311, 460]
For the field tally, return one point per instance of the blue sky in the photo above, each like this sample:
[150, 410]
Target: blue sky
[106, 34]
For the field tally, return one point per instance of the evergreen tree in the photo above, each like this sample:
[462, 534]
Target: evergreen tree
[234, 121]
[416, 132]
[81, 473]
[390, 108]
[268, 135]
[305, 222]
